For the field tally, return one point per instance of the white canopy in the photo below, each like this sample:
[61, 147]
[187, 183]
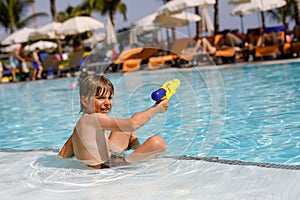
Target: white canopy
[155, 21]
[17, 37]
[79, 24]
[10, 48]
[176, 6]
[257, 6]
[42, 45]
[47, 31]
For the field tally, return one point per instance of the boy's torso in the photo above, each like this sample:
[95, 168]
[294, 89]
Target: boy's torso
[90, 142]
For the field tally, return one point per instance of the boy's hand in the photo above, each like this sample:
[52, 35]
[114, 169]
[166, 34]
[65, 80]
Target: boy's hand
[162, 106]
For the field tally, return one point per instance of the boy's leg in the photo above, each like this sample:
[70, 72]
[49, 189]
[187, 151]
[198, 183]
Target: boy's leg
[40, 70]
[152, 147]
[120, 141]
[13, 73]
[34, 74]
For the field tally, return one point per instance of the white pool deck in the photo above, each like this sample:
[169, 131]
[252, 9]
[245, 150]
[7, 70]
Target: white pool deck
[41, 175]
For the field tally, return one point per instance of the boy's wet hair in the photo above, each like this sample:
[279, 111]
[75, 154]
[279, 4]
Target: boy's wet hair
[95, 85]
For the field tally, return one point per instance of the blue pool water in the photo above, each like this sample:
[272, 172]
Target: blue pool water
[248, 113]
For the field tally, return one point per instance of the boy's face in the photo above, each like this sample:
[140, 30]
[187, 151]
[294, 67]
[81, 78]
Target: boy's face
[99, 104]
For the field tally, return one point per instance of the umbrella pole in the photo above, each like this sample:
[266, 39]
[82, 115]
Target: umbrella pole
[262, 19]
[242, 23]
[168, 39]
[59, 47]
[188, 27]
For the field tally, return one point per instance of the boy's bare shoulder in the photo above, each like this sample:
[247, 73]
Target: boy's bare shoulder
[89, 119]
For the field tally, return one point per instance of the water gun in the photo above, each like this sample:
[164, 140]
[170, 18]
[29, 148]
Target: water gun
[166, 90]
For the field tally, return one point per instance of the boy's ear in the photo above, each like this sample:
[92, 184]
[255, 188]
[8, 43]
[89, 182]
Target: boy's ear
[84, 101]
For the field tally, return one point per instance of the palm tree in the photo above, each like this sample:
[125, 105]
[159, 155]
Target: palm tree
[12, 12]
[72, 12]
[289, 11]
[109, 7]
[53, 10]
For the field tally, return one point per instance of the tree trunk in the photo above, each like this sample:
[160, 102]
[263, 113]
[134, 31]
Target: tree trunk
[53, 10]
[12, 22]
[197, 23]
[54, 18]
[297, 10]
[216, 16]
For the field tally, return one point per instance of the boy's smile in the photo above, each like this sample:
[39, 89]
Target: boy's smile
[99, 104]
[103, 103]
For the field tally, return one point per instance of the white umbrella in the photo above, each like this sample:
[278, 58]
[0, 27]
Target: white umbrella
[47, 31]
[146, 24]
[258, 6]
[42, 45]
[17, 37]
[176, 20]
[79, 24]
[111, 37]
[10, 48]
[155, 21]
[176, 6]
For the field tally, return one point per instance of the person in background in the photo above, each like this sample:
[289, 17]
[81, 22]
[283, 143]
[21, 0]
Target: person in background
[229, 40]
[15, 60]
[37, 65]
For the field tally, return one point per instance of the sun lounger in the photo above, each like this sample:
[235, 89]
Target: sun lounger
[271, 42]
[291, 48]
[131, 64]
[198, 52]
[158, 62]
[174, 53]
[227, 52]
[132, 59]
[230, 54]
[73, 65]
[50, 66]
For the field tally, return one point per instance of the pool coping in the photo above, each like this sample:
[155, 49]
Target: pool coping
[216, 67]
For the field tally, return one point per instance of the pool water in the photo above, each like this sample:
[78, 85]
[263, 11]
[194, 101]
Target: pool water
[248, 113]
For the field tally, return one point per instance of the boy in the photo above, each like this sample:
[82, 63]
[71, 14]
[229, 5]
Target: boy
[90, 142]
[37, 65]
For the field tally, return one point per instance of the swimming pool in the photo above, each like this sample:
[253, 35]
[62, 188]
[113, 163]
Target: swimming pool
[248, 113]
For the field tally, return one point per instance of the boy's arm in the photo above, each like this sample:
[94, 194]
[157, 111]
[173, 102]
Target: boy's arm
[67, 150]
[17, 55]
[133, 123]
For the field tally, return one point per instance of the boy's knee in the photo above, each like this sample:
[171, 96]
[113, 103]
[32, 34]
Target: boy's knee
[158, 142]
